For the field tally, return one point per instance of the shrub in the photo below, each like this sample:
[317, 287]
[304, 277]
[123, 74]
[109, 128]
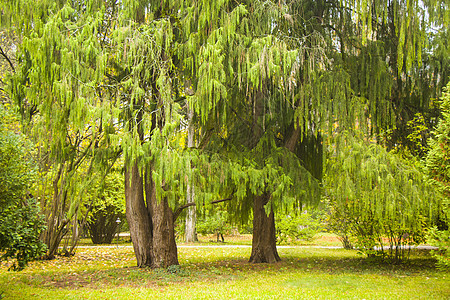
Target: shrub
[438, 166]
[20, 220]
[300, 227]
[378, 198]
[214, 223]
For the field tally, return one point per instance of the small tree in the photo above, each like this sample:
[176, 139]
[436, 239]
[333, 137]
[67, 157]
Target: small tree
[20, 220]
[438, 166]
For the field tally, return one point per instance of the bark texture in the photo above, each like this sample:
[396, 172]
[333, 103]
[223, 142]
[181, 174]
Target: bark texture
[164, 253]
[138, 217]
[264, 248]
[191, 215]
[164, 245]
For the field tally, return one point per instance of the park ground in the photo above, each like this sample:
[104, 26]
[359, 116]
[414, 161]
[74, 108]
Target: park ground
[221, 271]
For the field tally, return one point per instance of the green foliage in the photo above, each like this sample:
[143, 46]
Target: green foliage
[298, 227]
[440, 239]
[438, 166]
[438, 159]
[106, 205]
[20, 227]
[418, 135]
[216, 222]
[379, 197]
[338, 222]
[20, 220]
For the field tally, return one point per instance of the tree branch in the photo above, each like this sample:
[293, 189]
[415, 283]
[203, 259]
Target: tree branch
[178, 211]
[2, 53]
[205, 139]
[221, 200]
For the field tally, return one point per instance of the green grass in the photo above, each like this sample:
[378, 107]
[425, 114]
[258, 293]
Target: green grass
[321, 239]
[223, 273]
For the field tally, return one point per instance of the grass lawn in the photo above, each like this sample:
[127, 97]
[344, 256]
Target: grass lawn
[223, 273]
[321, 239]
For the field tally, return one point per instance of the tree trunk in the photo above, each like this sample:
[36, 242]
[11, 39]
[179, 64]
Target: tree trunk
[264, 248]
[56, 223]
[191, 216]
[164, 252]
[138, 217]
[164, 245]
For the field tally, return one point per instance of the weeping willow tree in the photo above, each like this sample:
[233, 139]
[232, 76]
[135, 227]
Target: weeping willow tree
[99, 78]
[379, 196]
[240, 74]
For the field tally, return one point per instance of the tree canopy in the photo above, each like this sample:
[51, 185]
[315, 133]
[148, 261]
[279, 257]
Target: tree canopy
[264, 82]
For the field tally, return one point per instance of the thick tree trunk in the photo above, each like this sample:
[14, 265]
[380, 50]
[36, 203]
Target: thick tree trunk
[264, 248]
[138, 217]
[164, 245]
[164, 252]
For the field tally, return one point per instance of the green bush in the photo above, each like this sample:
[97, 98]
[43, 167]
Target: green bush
[20, 226]
[294, 228]
[377, 198]
[214, 223]
[438, 166]
[440, 239]
[20, 219]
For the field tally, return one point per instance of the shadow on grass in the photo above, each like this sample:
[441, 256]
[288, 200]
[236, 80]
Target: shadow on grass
[309, 262]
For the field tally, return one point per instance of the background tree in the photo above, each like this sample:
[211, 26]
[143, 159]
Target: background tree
[106, 205]
[437, 162]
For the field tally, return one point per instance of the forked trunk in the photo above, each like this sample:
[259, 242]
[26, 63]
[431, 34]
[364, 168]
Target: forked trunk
[264, 248]
[138, 217]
